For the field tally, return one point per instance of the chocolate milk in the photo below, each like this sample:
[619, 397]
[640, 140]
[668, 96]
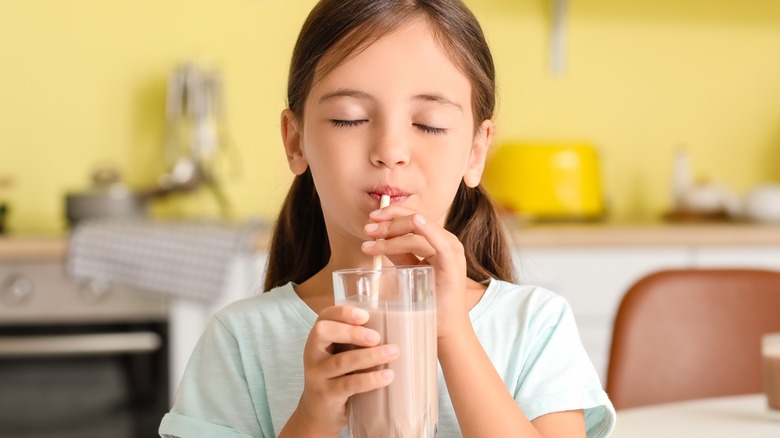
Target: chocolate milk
[772, 379]
[408, 407]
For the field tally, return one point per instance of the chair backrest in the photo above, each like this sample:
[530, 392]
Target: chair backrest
[684, 334]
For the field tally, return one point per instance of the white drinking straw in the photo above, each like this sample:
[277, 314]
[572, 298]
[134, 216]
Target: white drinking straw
[384, 201]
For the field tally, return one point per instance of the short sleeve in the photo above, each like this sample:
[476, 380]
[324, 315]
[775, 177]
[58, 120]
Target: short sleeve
[558, 374]
[213, 399]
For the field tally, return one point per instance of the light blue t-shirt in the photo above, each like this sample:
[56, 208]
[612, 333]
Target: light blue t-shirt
[245, 376]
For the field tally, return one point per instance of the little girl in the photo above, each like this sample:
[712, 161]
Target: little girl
[389, 97]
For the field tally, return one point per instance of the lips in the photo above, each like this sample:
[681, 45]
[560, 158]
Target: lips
[396, 194]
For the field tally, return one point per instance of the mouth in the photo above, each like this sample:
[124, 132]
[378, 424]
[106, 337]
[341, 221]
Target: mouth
[396, 194]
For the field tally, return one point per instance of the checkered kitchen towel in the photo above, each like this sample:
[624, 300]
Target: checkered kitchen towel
[188, 260]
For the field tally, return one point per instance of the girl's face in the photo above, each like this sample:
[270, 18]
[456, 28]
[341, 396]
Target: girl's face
[394, 119]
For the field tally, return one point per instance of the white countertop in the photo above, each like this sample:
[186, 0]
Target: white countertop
[31, 247]
[644, 234]
[745, 416]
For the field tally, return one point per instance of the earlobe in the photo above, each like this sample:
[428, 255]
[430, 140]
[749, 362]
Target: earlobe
[479, 148]
[291, 137]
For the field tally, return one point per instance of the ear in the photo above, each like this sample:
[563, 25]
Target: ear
[479, 148]
[291, 137]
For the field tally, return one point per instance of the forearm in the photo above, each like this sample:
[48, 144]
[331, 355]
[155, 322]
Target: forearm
[297, 427]
[481, 401]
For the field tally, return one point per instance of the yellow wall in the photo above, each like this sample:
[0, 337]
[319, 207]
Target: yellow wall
[82, 83]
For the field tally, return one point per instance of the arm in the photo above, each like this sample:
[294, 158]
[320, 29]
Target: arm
[483, 405]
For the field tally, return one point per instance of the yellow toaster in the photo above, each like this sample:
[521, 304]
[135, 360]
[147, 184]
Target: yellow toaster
[546, 181]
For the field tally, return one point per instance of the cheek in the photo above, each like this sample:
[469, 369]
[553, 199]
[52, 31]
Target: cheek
[332, 163]
[317, 146]
[449, 158]
[443, 177]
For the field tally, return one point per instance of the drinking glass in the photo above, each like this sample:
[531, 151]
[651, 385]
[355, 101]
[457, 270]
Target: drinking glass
[770, 350]
[401, 305]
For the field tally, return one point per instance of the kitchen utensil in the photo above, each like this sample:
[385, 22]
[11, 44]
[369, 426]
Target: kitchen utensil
[107, 198]
[699, 200]
[762, 204]
[546, 181]
[194, 132]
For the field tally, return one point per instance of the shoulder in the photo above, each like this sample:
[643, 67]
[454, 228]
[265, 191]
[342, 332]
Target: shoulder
[266, 312]
[528, 300]
[277, 296]
[522, 315]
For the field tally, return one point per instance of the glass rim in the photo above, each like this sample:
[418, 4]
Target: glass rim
[383, 268]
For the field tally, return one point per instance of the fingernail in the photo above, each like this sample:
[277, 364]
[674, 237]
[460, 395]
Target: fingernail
[370, 228]
[386, 374]
[375, 213]
[418, 218]
[371, 336]
[369, 244]
[390, 350]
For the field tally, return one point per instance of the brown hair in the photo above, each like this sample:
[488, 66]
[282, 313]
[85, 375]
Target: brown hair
[335, 30]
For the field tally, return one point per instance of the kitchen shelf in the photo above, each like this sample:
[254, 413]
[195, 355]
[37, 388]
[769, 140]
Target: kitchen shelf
[32, 248]
[647, 234]
[25, 248]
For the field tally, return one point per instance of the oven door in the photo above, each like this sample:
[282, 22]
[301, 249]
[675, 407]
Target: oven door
[96, 380]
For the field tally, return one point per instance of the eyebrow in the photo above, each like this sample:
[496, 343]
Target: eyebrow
[438, 98]
[344, 92]
[357, 94]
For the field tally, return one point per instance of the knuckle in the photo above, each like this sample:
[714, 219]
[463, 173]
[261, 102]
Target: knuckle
[456, 246]
[350, 384]
[320, 329]
[339, 361]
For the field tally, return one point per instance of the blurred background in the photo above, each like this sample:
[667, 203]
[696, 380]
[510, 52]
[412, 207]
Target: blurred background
[635, 136]
[84, 87]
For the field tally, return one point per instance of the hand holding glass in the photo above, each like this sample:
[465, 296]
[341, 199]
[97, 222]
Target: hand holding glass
[402, 308]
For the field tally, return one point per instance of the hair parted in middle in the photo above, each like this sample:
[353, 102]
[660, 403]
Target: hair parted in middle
[336, 30]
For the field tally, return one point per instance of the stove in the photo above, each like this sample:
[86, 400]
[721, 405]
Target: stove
[79, 359]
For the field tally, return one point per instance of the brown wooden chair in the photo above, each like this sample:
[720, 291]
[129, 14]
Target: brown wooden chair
[685, 334]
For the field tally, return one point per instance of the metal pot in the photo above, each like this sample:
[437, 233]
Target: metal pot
[108, 198]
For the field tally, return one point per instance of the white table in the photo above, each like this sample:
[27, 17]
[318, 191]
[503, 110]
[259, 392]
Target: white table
[745, 416]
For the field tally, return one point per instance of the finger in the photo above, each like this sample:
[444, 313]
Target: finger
[338, 325]
[408, 244]
[391, 225]
[326, 332]
[359, 359]
[447, 249]
[390, 212]
[362, 382]
[346, 313]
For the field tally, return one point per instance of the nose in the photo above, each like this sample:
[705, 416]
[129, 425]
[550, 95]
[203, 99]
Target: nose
[390, 148]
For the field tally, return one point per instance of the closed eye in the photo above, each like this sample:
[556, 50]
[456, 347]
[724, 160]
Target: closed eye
[430, 129]
[346, 123]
